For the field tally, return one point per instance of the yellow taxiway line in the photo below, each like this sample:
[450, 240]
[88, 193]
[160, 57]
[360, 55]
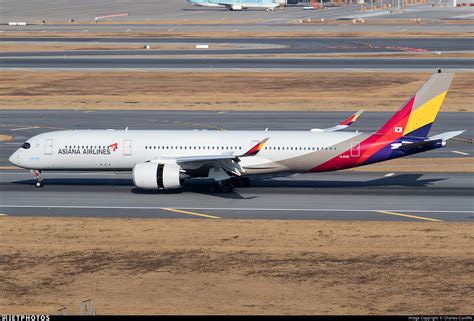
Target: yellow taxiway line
[189, 213]
[410, 216]
[9, 168]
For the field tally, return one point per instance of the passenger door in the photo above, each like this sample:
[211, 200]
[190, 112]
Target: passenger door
[48, 147]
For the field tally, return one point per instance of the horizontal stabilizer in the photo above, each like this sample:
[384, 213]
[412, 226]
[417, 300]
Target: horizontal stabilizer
[447, 135]
[420, 145]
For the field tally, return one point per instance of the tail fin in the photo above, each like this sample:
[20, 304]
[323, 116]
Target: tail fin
[417, 115]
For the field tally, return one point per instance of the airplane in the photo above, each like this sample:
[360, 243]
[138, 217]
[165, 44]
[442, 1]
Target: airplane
[164, 159]
[235, 5]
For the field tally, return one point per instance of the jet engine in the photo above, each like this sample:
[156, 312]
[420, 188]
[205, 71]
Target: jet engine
[154, 175]
[236, 7]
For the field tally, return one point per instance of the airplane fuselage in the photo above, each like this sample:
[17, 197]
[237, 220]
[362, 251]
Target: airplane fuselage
[289, 151]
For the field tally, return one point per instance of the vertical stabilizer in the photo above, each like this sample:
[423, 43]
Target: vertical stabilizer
[417, 115]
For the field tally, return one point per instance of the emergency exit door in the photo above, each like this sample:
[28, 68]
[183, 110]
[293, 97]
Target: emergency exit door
[355, 149]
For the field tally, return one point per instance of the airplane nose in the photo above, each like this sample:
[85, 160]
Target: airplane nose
[14, 158]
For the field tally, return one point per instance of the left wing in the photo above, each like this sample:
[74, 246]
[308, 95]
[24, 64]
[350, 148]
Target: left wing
[251, 152]
[228, 162]
[346, 123]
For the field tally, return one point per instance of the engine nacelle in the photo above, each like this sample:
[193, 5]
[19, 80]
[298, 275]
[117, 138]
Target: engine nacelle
[157, 175]
[236, 7]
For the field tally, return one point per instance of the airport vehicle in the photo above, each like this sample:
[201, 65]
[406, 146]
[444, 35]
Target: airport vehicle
[163, 159]
[235, 5]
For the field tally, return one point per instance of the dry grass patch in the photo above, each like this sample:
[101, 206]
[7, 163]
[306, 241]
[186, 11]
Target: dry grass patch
[21, 47]
[243, 34]
[193, 266]
[310, 91]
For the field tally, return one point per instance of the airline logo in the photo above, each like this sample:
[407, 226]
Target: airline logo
[398, 129]
[114, 146]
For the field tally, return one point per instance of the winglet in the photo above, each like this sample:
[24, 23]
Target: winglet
[352, 119]
[346, 123]
[256, 149]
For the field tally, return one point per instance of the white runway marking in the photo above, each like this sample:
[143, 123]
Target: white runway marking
[24, 128]
[461, 153]
[132, 69]
[228, 208]
[243, 69]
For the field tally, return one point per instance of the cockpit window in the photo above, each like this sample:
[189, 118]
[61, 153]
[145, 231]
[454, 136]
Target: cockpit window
[26, 146]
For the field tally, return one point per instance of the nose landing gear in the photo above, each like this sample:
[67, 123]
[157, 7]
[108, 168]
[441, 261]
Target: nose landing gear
[39, 179]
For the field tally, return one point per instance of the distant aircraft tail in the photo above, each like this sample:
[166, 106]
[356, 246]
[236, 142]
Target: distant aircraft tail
[417, 115]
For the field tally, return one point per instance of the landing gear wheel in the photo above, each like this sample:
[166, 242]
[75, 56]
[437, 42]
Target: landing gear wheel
[213, 188]
[245, 182]
[39, 179]
[227, 188]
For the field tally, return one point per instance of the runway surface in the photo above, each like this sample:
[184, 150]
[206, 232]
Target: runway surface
[195, 59]
[331, 196]
[90, 63]
[22, 124]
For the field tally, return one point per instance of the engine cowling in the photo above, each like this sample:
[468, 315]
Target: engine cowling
[236, 7]
[157, 175]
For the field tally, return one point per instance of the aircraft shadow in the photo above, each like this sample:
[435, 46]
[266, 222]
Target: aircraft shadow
[403, 180]
[407, 180]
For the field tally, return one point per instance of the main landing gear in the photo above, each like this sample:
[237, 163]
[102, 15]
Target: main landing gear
[39, 179]
[227, 186]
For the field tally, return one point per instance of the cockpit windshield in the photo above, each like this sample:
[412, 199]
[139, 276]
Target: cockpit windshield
[26, 146]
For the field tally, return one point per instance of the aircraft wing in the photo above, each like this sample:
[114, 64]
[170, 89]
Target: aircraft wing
[346, 123]
[251, 152]
[228, 162]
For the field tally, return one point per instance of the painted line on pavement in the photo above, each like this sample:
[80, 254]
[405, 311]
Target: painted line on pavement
[460, 153]
[188, 213]
[409, 216]
[229, 208]
[24, 128]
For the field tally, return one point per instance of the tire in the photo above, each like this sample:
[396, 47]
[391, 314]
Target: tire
[213, 188]
[227, 188]
[245, 182]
